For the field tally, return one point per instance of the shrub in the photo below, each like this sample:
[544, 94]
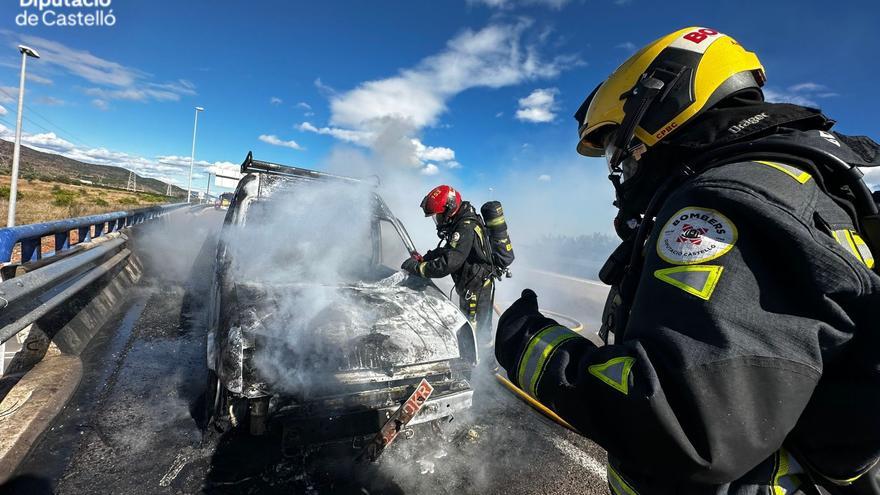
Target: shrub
[101, 202]
[128, 201]
[61, 197]
[56, 188]
[4, 193]
[152, 198]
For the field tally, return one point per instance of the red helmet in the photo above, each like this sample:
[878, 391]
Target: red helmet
[442, 203]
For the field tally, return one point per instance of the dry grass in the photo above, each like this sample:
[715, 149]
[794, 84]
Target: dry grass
[44, 201]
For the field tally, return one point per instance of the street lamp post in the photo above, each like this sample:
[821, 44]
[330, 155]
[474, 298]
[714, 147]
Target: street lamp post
[192, 156]
[16, 150]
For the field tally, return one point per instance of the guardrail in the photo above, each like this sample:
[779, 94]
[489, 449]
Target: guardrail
[31, 236]
[31, 295]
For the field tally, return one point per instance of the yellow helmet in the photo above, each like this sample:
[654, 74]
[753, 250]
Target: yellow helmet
[662, 87]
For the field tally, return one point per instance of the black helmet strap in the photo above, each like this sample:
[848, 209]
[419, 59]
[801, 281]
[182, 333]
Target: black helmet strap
[639, 99]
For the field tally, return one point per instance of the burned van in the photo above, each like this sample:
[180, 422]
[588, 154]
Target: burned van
[311, 326]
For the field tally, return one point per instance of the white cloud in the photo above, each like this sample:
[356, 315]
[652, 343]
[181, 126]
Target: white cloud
[538, 106]
[51, 101]
[166, 168]
[388, 115]
[544, 178]
[362, 138]
[227, 169]
[304, 105]
[430, 169]
[149, 91]
[432, 153]
[507, 4]
[805, 94]
[275, 100]
[3, 111]
[781, 96]
[872, 176]
[100, 104]
[499, 115]
[492, 57]
[8, 94]
[452, 164]
[627, 46]
[115, 81]
[807, 87]
[180, 161]
[276, 141]
[38, 78]
[323, 88]
[83, 64]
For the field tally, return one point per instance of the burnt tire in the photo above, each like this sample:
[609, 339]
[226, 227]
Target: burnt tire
[213, 405]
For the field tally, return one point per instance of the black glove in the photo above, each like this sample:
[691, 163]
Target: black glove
[430, 255]
[516, 326]
[411, 266]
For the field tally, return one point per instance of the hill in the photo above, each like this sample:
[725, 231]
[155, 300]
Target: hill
[50, 167]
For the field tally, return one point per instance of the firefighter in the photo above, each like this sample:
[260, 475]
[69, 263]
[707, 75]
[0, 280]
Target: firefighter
[465, 255]
[745, 304]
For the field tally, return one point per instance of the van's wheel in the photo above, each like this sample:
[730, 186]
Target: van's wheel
[259, 415]
[213, 400]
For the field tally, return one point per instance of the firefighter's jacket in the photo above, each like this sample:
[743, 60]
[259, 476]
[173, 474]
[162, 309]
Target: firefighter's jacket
[750, 362]
[463, 253]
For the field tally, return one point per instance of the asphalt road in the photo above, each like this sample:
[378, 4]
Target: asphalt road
[133, 423]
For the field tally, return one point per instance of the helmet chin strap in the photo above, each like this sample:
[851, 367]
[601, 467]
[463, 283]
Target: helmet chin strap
[652, 87]
[639, 99]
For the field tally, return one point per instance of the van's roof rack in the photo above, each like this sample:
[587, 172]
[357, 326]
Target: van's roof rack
[259, 166]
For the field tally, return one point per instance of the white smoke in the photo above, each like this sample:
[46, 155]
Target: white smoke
[295, 248]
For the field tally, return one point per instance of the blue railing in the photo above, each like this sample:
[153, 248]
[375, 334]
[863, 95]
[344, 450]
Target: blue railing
[31, 236]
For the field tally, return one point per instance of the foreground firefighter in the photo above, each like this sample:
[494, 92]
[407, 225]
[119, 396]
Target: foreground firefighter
[466, 255]
[744, 305]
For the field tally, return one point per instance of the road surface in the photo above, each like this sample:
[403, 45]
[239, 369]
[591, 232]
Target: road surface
[132, 426]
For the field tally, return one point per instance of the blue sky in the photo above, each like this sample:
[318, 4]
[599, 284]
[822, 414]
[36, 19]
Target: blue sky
[480, 93]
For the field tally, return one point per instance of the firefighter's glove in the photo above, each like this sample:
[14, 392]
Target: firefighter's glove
[411, 266]
[432, 254]
[516, 326]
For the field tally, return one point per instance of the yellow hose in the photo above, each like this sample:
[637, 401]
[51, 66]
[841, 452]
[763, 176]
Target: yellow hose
[534, 403]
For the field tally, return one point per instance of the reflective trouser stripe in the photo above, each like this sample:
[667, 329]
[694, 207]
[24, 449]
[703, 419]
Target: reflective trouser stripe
[785, 476]
[537, 355]
[617, 484]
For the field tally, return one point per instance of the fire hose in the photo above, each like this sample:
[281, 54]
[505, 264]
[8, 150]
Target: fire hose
[577, 327]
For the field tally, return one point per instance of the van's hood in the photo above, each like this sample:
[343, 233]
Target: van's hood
[309, 328]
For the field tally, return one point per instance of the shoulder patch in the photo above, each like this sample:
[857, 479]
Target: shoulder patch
[694, 235]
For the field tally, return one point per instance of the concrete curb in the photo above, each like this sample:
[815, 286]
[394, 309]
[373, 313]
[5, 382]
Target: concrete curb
[31, 406]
